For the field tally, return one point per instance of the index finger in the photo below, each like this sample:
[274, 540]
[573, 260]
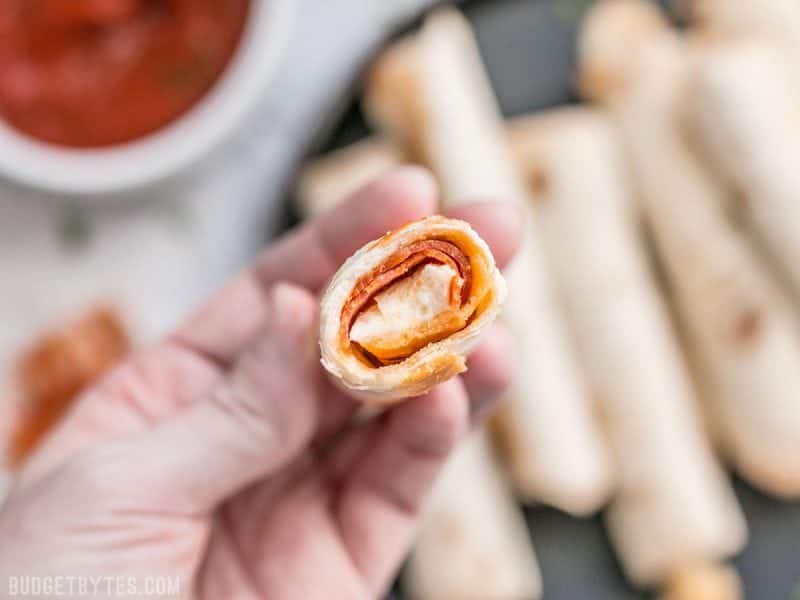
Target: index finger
[310, 255]
[307, 256]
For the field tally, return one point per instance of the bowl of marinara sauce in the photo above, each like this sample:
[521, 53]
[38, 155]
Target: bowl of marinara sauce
[102, 96]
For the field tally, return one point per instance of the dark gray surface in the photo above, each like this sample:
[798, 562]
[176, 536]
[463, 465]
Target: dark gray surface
[528, 48]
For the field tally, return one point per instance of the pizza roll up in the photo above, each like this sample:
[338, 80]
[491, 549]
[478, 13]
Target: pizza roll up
[403, 312]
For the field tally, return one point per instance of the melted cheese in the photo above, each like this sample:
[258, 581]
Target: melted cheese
[411, 313]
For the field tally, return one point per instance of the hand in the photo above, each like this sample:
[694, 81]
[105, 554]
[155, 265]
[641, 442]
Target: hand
[221, 456]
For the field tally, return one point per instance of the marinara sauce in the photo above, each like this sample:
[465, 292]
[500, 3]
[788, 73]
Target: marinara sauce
[92, 73]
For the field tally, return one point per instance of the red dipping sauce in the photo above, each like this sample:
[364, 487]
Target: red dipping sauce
[93, 73]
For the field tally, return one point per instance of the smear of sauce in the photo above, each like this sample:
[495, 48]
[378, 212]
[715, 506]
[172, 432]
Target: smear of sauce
[57, 368]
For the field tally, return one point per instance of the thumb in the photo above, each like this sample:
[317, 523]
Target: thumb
[257, 419]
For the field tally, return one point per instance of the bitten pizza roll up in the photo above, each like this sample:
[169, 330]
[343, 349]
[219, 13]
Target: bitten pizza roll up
[402, 313]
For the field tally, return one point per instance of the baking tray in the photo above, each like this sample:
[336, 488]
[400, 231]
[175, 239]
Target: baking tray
[528, 47]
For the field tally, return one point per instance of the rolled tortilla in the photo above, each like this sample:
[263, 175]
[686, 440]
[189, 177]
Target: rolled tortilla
[740, 322]
[402, 313]
[675, 505]
[328, 180]
[394, 100]
[744, 109]
[472, 543]
[444, 108]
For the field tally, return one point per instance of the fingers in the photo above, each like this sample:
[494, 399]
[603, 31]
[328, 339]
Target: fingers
[256, 420]
[489, 372]
[384, 471]
[488, 376]
[310, 255]
[498, 223]
[307, 257]
[149, 386]
[380, 500]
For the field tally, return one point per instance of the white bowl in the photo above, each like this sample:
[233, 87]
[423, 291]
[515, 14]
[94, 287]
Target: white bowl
[156, 156]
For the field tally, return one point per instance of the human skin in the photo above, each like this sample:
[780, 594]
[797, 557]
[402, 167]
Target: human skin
[223, 457]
